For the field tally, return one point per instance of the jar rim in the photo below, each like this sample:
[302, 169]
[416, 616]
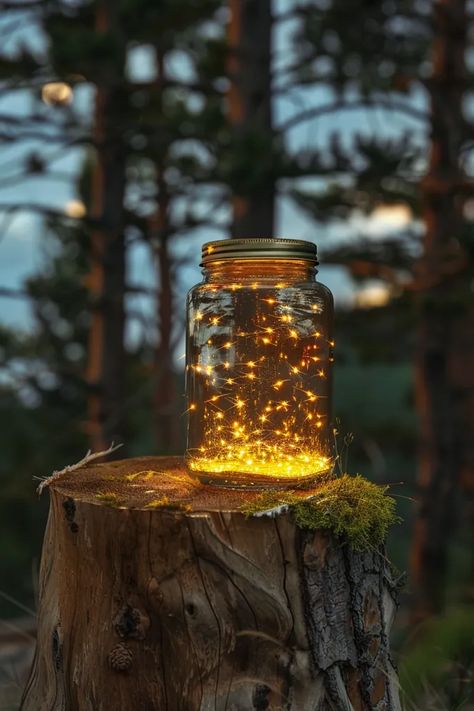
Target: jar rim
[259, 248]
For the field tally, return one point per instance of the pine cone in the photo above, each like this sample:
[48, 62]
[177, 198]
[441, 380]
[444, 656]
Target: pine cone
[120, 657]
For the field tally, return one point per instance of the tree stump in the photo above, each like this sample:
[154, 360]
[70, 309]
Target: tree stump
[159, 593]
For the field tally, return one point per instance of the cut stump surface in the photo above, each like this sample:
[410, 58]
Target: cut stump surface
[159, 593]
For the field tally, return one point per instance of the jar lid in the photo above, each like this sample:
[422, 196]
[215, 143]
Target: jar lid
[259, 248]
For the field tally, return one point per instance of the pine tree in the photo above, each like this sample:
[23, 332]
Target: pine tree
[373, 61]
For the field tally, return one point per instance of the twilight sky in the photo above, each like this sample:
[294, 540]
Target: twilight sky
[22, 243]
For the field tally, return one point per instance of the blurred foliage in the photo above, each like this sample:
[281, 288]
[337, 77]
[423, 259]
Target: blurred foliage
[361, 52]
[437, 669]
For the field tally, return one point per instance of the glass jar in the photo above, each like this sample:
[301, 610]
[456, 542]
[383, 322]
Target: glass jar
[259, 357]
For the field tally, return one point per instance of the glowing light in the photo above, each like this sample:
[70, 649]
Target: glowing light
[265, 420]
[57, 93]
[392, 216]
[373, 296]
[75, 209]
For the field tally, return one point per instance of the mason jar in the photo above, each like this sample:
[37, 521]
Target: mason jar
[259, 356]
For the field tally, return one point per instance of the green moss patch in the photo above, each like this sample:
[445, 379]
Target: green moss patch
[108, 498]
[350, 506]
[165, 503]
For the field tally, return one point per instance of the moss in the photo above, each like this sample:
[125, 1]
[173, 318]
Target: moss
[108, 498]
[157, 503]
[164, 502]
[350, 506]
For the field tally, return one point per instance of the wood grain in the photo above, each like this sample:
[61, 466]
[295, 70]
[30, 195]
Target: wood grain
[201, 609]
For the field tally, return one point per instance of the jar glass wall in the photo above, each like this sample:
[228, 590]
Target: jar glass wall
[258, 370]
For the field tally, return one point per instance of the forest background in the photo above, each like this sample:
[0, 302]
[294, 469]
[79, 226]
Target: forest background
[131, 131]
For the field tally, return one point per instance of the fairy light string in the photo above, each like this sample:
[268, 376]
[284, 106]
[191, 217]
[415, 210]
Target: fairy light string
[258, 382]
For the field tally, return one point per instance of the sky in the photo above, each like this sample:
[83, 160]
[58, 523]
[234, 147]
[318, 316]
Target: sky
[22, 243]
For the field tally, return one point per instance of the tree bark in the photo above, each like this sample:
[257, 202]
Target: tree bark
[444, 373]
[159, 593]
[106, 351]
[250, 110]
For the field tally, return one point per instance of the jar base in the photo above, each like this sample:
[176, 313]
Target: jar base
[253, 482]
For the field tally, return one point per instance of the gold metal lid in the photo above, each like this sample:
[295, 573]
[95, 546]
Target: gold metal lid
[259, 248]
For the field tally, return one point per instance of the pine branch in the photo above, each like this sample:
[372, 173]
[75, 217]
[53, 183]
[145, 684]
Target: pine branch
[89, 457]
[315, 112]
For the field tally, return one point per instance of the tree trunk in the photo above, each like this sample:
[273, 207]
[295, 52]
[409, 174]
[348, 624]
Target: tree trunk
[250, 111]
[166, 401]
[106, 353]
[444, 374]
[157, 592]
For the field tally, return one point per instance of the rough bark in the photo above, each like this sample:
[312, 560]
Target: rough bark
[250, 110]
[444, 373]
[106, 353]
[193, 606]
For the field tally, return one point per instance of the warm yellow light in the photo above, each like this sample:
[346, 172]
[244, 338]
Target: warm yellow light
[266, 438]
[75, 209]
[268, 461]
[57, 93]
